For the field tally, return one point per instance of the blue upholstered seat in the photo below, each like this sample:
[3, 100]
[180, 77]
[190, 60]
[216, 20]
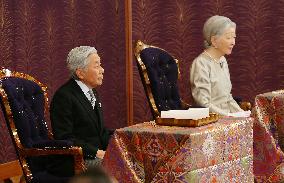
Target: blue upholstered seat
[163, 74]
[24, 101]
[159, 73]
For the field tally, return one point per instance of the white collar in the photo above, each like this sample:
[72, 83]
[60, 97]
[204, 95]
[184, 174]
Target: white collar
[83, 86]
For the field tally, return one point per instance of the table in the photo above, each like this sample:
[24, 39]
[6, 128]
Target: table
[269, 137]
[218, 152]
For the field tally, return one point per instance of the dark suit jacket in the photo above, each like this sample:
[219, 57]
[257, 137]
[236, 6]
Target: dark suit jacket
[73, 118]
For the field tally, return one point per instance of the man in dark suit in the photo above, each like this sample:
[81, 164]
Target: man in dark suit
[76, 110]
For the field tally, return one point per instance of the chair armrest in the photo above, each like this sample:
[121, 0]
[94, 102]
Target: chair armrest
[52, 143]
[184, 105]
[77, 152]
[245, 106]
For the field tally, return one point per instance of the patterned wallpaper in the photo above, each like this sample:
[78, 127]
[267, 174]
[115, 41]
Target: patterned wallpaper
[36, 35]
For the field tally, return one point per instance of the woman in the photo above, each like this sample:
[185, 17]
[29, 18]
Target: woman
[209, 74]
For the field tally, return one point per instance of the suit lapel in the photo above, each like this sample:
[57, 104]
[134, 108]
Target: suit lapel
[78, 93]
[98, 109]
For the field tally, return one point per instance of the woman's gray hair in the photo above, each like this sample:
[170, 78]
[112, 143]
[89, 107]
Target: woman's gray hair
[215, 25]
[78, 59]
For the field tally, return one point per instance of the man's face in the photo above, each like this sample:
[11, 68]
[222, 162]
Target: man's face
[92, 75]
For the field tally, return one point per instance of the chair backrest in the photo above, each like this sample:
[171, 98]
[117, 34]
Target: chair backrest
[24, 102]
[159, 73]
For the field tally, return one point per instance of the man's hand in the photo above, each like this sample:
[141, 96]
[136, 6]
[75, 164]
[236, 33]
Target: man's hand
[100, 154]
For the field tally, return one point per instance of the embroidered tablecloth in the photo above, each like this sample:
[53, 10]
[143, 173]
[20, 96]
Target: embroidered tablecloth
[269, 137]
[218, 152]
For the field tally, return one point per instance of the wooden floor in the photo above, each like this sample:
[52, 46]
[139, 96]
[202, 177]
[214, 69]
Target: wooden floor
[10, 172]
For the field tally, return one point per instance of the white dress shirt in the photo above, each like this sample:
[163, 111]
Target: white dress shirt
[85, 90]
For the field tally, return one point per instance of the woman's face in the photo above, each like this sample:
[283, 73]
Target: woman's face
[225, 42]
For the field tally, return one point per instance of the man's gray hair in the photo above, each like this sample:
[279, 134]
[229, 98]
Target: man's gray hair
[78, 59]
[215, 26]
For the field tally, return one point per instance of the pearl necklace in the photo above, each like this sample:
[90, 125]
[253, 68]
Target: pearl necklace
[218, 62]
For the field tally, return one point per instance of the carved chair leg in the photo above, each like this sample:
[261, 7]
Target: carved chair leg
[17, 179]
[22, 179]
[6, 181]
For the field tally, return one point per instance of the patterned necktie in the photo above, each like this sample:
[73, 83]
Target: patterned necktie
[92, 98]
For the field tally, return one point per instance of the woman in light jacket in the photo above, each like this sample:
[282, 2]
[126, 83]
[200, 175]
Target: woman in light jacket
[209, 75]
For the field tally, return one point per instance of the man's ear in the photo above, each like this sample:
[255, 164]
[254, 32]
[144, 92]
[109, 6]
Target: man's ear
[79, 73]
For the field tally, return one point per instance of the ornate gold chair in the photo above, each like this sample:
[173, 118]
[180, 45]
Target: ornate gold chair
[24, 103]
[159, 73]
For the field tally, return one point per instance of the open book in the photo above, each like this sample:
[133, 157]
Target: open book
[191, 113]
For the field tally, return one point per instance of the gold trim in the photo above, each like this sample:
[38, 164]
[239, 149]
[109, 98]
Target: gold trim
[27, 152]
[179, 75]
[140, 46]
[213, 117]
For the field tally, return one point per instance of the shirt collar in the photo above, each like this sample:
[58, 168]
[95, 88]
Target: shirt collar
[83, 87]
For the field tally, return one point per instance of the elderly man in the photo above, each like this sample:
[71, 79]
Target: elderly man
[76, 110]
